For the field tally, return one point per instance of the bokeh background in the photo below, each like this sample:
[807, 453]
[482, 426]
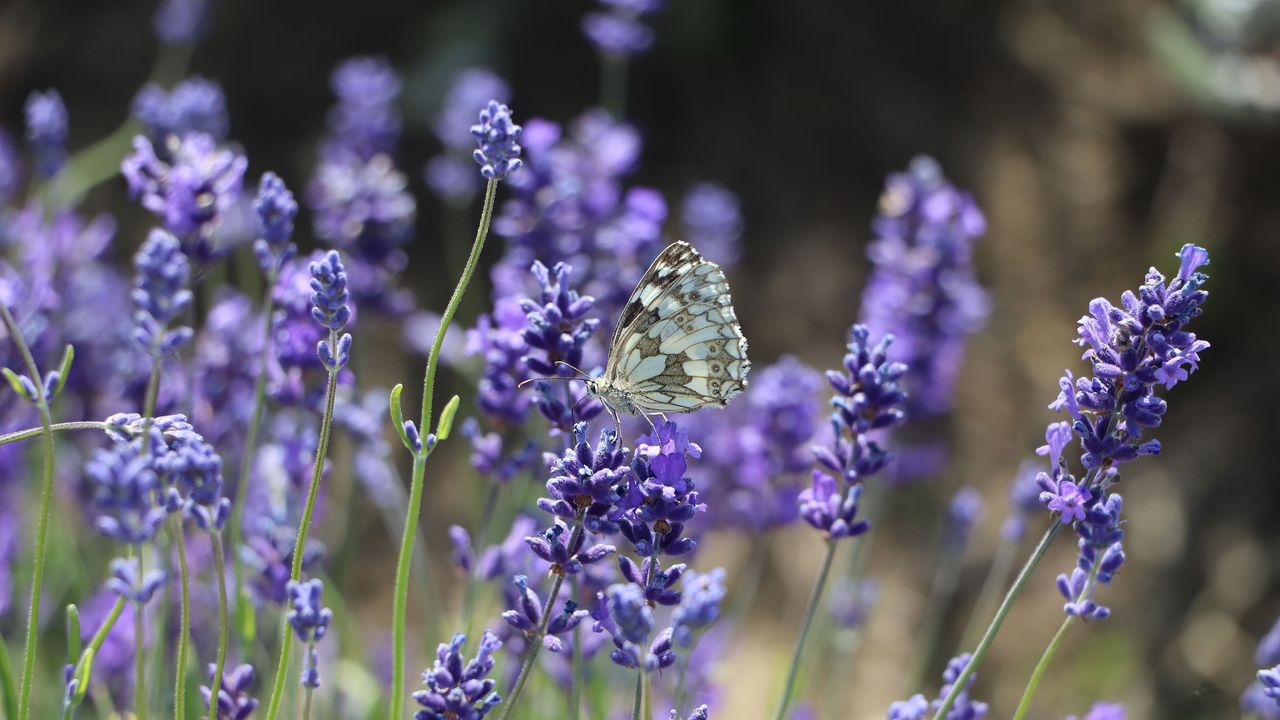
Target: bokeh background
[1096, 137]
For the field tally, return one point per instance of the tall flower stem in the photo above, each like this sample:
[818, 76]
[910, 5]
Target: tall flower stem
[220, 571]
[1029, 693]
[139, 650]
[20, 435]
[8, 690]
[304, 526]
[814, 600]
[535, 640]
[613, 86]
[579, 665]
[246, 458]
[184, 629]
[637, 702]
[400, 602]
[1001, 613]
[42, 523]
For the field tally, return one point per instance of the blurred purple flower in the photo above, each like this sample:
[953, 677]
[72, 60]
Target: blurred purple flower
[276, 210]
[712, 218]
[1103, 711]
[365, 120]
[189, 191]
[181, 22]
[46, 117]
[233, 698]
[195, 105]
[526, 617]
[455, 690]
[10, 170]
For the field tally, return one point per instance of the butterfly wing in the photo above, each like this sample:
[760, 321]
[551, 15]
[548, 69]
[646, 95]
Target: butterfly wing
[678, 346]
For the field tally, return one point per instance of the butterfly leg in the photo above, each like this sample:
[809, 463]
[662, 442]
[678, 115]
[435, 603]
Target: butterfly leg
[617, 421]
[649, 420]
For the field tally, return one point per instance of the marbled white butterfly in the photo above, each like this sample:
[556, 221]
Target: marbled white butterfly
[677, 346]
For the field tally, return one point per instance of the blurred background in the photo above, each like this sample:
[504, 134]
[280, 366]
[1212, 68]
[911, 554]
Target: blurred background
[1096, 138]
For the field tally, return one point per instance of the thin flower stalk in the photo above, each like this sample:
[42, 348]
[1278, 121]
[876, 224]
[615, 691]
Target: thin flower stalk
[1029, 693]
[20, 435]
[815, 599]
[224, 629]
[42, 522]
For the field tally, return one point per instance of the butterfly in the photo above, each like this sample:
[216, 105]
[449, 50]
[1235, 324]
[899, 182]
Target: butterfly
[677, 346]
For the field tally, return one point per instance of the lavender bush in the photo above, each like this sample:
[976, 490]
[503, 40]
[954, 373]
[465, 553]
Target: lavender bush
[204, 511]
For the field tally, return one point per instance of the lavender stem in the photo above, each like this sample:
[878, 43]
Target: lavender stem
[789, 689]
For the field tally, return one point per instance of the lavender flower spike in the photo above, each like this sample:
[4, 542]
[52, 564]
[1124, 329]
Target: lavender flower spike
[276, 210]
[309, 620]
[233, 698]
[46, 117]
[160, 295]
[1103, 711]
[329, 308]
[498, 149]
[457, 691]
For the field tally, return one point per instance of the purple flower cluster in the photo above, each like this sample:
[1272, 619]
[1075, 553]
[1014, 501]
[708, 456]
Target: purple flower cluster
[699, 606]
[1102, 711]
[712, 219]
[160, 295]
[923, 290]
[867, 399]
[757, 448]
[556, 334]
[964, 707]
[623, 612]
[46, 117]
[660, 499]
[497, 140]
[330, 308]
[1132, 348]
[195, 105]
[360, 200]
[1101, 555]
[310, 620]
[526, 616]
[451, 175]
[276, 210]
[458, 691]
[189, 188]
[616, 31]
[233, 698]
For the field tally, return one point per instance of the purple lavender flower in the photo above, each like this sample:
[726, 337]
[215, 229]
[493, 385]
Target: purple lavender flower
[276, 210]
[527, 616]
[964, 708]
[569, 205]
[329, 301]
[1103, 711]
[365, 120]
[963, 512]
[181, 22]
[617, 32]
[712, 218]
[131, 585]
[699, 713]
[363, 206]
[587, 483]
[567, 555]
[1132, 348]
[625, 615]
[450, 175]
[499, 340]
[922, 288]
[190, 191]
[699, 606]
[455, 691]
[914, 708]
[127, 492]
[309, 620]
[867, 398]
[46, 117]
[233, 698]
[160, 295]
[195, 105]
[556, 333]
[1268, 652]
[660, 499]
[497, 142]
[1270, 680]
[1101, 555]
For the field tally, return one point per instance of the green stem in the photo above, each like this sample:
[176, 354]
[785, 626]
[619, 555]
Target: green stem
[20, 435]
[400, 601]
[1001, 613]
[637, 702]
[306, 703]
[42, 524]
[139, 650]
[184, 615]
[299, 547]
[682, 672]
[1034, 683]
[613, 85]
[579, 665]
[219, 570]
[8, 690]
[246, 459]
[805, 624]
[535, 639]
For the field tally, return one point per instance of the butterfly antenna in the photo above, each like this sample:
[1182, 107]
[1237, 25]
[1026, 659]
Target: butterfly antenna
[580, 372]
[536, 379]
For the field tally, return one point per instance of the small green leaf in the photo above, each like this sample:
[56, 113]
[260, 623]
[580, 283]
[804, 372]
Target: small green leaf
[446, 418]
[14, 382]
[73, 633]
[397, 416]
[68, 355]
[244, 618]
[85, 672]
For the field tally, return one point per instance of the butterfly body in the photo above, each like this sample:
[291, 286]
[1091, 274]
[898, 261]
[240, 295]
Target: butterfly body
[678, 346]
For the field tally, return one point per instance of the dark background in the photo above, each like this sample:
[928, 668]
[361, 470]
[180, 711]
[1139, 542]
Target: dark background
[1098, 137]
